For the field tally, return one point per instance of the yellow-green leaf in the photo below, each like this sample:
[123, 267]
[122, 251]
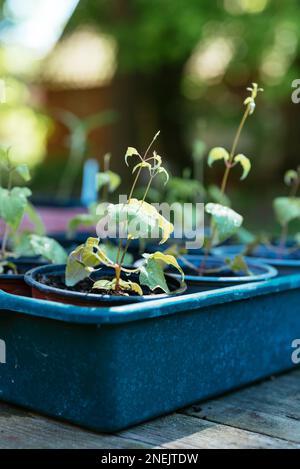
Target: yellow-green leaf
[217, 153]
[23, 171]
[290, 177]
[131, 151]
[110, 285]
[143, 164]
[245, 163]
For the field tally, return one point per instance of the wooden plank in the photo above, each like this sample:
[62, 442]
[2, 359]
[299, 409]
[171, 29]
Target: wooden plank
[271, 408]
[180, 431]
[22, 430]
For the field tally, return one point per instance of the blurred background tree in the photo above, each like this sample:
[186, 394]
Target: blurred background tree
[182, 67]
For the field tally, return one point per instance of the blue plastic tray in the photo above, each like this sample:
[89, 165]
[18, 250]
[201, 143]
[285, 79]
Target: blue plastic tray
[110, 368]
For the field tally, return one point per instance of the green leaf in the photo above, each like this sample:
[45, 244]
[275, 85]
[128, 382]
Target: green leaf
[35, 219]
[139, 219]
[226, 221]
[199, 148]
[162, 170]
[286, 209]
[23, 171]
[109, 178]
[217, 195]
[158, 160]
[131, 151]
[13, 204]
[142, 164]
[165, 259]
[82, 260]
[245, 163]
[297, 239]
[217, 153]
[125, 285]
[238, 264]
[152, 275]
[48, 248]
[290, 177]
[152, 271]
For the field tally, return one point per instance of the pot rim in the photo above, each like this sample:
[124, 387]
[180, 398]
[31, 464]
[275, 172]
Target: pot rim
[221, 250]
[23, 261]
[30, 279]
[268, 272]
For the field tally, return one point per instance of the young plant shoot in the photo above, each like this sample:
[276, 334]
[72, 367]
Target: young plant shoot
[137, 219]
[225, 222]
[14, 204]
[287, 209]
[107, 182]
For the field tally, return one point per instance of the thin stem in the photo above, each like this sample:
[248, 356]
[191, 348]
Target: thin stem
[106, 169]
[132, 190]
[233, 149]
[229, 165]
[285, 228]
[148, 187]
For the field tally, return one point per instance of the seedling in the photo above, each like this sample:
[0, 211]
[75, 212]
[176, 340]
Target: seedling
[138, 219]
[107, 183]
[79, 131]
[287, 208]
[14, 204]
[225, 222]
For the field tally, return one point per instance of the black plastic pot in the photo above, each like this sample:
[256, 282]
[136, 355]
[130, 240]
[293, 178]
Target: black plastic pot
[14, 283]
[226, 277]
[46, 292]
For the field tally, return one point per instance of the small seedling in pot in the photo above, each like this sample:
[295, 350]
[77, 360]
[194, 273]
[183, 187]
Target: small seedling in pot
[107, 183]
[14, 204]
[138, 220]
[287, 209]
[225, 222]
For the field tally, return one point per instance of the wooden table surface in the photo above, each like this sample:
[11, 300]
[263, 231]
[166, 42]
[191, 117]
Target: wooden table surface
[265, 415]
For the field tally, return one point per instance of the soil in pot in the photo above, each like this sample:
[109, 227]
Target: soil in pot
[48, 283]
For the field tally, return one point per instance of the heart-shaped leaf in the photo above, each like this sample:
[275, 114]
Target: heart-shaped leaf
[226, 221]
[23, 171]
[286, 209]
[152, 270]
[13, 204]
[138, 219]
[82, 261]
[43, 246]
